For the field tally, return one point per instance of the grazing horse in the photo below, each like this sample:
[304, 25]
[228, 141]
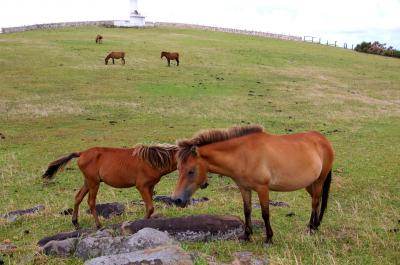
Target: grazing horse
[171, 56]
[258, 161]
[115, 55]
[141, 166]
[99, 39]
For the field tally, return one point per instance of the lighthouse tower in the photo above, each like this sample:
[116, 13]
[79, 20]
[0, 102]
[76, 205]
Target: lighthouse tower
[135, 18]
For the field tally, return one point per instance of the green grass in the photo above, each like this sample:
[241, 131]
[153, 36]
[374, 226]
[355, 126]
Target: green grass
[57, 96]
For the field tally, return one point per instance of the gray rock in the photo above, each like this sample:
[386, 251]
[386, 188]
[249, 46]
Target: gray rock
[247, 258]
[65, 235]
[62, 249]
[102, 244]
[192, 228]
[163, 255]
[108, 210]
[12, 216]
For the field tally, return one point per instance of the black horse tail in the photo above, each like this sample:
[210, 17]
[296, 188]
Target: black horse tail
[325, 194]
[58, 164]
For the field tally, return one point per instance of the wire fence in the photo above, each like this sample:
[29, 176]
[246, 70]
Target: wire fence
[322, 41]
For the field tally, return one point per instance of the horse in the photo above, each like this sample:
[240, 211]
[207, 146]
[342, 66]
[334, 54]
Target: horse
[99, 39]
[259, 161]
[141, 166]
[115, 55]
[171, 56]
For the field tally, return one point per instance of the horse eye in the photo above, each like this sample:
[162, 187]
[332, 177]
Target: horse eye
[191, 173]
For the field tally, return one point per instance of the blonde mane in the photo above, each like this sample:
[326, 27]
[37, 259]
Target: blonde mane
[212, 136]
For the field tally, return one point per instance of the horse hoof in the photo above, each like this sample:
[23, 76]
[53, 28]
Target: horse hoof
[310, 231]
[99, 227]
[244, 238]
[268, 244]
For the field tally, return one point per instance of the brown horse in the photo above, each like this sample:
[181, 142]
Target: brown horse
[115, 55]
[99, 39]
[141, 166]
[258, 161]
[171, 56]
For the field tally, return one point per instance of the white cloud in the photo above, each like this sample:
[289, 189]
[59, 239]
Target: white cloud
[373, 19]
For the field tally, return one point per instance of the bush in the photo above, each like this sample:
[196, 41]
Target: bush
[377, 48]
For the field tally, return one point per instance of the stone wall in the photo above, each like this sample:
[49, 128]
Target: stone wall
[58, 25]
[152, 24]
[229, 30]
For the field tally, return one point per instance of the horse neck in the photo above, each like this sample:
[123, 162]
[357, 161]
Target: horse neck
[220, 156]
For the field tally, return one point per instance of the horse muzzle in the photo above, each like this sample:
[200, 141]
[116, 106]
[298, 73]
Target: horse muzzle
[181, 203]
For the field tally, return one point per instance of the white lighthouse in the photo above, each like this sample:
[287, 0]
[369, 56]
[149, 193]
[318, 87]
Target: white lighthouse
[135, 18]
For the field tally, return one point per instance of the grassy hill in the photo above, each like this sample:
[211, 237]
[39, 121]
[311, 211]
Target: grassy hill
[57, 96]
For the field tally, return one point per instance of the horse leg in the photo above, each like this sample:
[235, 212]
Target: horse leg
[78, 199]
[113, 60]
[315, 191]
[248, 230]
[168, 61]
[263, 196]
[177, 62]
[93, 189]
[145, 191]
[123, 61]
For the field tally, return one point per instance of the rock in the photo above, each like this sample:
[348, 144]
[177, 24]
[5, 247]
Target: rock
[100, 244]
[163, 255]
[247, 258]
[7, 247]
[272, 203]
[63, 236]
[168, 200]
[12, 216]
[68, 211]
[192, 228]
[61, 249]
[108, 210]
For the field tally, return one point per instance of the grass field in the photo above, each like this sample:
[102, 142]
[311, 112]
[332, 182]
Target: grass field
[57, 96]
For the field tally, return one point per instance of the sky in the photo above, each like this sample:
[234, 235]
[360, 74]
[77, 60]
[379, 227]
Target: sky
[345, 21]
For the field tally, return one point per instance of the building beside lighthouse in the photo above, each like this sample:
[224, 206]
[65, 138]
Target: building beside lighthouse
[135, 18]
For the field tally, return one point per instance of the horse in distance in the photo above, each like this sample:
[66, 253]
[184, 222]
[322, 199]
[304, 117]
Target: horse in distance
[171, 56]
[99, 39]
[115, 55]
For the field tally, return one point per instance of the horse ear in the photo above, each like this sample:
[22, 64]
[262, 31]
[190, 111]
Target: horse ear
[194, 150]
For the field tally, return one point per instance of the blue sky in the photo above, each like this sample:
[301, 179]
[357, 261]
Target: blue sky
[350, 21]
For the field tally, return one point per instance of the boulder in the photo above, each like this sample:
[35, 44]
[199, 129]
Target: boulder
[163, 255]
[12, 216]
[108, 210]
[192, 228]
[168, 200]
[101, 244]
[61, 249]
[64, 235]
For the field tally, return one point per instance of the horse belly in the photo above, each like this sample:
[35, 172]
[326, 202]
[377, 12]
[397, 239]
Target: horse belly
[291, 179]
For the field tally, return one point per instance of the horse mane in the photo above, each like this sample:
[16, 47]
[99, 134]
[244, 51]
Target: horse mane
[159, 156]
[213, 136]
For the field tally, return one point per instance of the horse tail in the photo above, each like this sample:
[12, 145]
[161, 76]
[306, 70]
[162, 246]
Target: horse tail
[325, 194]
[58, 164]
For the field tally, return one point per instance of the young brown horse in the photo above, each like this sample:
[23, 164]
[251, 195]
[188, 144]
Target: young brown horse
[115, 55]
[140, 166]
[99, 39]
[171, 56]
[258, 161]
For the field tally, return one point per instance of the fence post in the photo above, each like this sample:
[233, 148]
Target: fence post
[335, 43]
